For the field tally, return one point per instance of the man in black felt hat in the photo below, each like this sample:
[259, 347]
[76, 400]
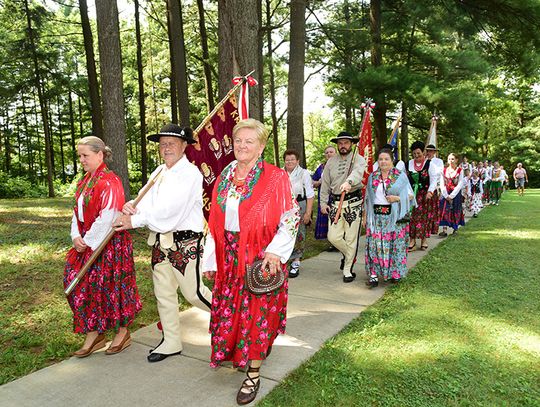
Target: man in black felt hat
[172, 211]
[339, 176]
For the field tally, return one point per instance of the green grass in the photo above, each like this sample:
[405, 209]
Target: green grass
[462, 330]
[35, 319]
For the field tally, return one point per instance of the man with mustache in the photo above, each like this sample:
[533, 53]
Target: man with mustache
[339, 176]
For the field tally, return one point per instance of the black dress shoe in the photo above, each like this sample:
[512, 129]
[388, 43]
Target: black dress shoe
[158, 357]
[349, 279]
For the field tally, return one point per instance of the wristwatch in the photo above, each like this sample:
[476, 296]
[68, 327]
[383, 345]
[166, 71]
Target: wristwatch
[349, 182]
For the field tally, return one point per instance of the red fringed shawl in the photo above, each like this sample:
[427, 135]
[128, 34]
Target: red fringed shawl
[94, 188]
[259, 214]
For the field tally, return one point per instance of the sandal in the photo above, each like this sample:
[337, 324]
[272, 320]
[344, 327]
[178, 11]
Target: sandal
[412, 247]
[423, 246]
[250, 385]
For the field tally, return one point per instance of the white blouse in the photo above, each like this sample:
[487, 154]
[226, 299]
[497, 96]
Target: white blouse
[101, 226]
[281, 245]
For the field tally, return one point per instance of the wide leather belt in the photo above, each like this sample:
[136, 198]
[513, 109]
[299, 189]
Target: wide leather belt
[350, 195]
[182, 235]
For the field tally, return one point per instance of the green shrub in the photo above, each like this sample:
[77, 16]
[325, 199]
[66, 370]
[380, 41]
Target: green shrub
[18, 187]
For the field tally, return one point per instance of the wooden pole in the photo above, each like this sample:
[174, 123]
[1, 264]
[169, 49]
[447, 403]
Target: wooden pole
[220, 104]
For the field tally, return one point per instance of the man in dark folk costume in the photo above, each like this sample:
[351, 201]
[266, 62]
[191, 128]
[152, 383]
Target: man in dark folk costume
[172, 210]
[344, 173]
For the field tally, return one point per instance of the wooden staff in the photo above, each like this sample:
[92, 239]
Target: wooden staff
[220, 104]
[109, 236]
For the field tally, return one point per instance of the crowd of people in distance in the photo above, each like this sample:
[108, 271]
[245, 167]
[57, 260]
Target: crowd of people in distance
[398, 216]
[259, 215]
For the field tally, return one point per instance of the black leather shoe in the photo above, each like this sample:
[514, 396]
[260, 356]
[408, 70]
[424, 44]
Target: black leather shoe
[349, 279]
[158, 357]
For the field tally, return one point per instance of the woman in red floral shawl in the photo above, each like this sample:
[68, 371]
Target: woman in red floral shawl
[253, 216]
[107, 296]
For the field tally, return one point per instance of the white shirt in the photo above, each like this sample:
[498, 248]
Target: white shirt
[101, 226]
[438, 165]
[380, 196]
[488, 174]
[301, 182]
[174, 202]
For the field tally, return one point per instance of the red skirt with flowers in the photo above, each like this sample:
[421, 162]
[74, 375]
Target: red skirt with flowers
[107, 296]
[243, 325]
[422, 216]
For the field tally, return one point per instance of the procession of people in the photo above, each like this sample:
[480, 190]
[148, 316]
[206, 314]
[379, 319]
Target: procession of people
[254, 238]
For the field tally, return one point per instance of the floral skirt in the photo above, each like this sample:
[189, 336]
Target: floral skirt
[107, 296]
[476, 203]
[422, 216]
[452, 212]
[243, 325]
[436, 210]
[386, 253]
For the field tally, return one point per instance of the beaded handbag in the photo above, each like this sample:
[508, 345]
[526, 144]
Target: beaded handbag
[260, 281]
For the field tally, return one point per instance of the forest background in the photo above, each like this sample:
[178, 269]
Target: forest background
[121, 71]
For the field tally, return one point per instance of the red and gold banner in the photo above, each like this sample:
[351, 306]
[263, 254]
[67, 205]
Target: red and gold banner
[214, 148]
[365, 144]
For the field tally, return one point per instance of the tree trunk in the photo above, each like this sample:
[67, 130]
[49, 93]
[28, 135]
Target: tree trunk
[227, 64]
[28, 136]
[72, 130]
[110, 63]
[404, 132]
[38, 138]
[239, 46]
[379, 113]
[42, 102]
[142, 107]
[93, 85]
[272, 84]
[295, 90]
[179, 57]
[61, 140]
[348, 119]
[172, 76]
[7, 144]
[260, 63]
[51, 139]
[206, 58]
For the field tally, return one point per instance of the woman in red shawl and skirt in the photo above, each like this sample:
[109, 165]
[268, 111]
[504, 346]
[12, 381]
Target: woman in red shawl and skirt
[253, 216]
[106, 297]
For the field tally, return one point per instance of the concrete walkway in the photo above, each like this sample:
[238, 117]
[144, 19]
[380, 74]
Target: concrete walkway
[320, 305]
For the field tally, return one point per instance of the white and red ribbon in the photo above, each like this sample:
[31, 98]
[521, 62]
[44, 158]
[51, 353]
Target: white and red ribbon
[243, 103]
